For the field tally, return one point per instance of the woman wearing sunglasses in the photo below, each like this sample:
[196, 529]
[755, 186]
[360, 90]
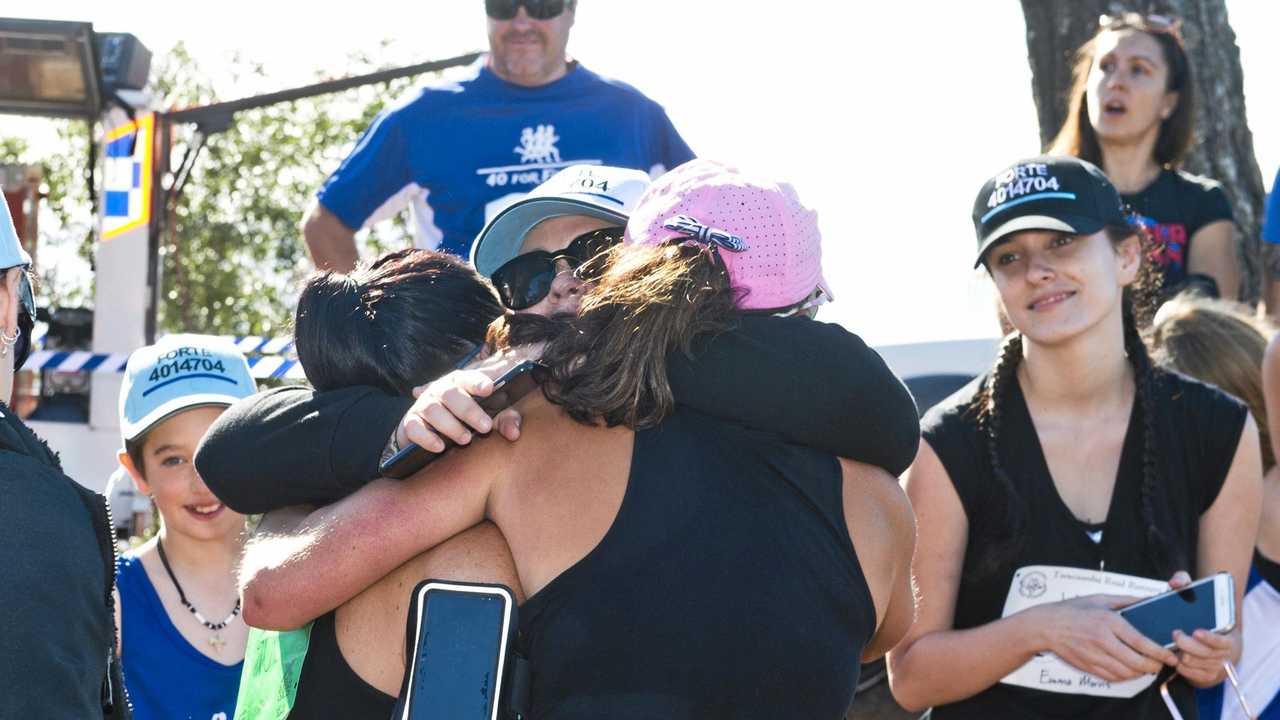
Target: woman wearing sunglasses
[676, 565]
[1132, 113]
[855, 406]
[1075, 469]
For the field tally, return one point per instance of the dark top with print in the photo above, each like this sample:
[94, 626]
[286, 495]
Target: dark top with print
[1197, 430]
[1173, 208]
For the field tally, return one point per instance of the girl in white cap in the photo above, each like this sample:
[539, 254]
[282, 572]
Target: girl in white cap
[182, 637]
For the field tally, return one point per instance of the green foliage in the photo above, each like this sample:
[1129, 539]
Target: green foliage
[66, 226]
[233, 256]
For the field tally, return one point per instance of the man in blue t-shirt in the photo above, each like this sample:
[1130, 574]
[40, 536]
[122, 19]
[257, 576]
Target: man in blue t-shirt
[458, 152]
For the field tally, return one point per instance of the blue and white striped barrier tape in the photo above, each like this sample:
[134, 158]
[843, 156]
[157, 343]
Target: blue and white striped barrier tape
[261, 366]
[247, 344]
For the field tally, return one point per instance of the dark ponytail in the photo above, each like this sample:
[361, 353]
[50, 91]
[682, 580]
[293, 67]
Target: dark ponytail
[1004, 526]
[1148, 379]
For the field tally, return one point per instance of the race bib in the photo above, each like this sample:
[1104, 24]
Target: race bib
[1038, 584]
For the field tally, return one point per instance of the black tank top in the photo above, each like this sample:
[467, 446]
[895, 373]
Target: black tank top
[727, 586]
[1197, 430]
[329, 688]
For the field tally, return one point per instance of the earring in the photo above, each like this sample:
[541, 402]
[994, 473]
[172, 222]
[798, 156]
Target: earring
[7, 342]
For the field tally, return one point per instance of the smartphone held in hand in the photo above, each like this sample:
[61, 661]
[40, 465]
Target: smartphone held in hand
[510, 386]
[1206, 604]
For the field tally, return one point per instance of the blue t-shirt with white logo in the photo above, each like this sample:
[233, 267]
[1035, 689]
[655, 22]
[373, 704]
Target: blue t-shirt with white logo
[458, 152]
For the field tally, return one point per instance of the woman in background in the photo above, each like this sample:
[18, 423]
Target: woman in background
[1132, 113]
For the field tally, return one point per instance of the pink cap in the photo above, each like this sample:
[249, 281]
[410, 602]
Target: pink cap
[769, 241]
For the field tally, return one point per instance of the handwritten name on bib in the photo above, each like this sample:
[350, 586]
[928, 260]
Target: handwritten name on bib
[1039, 584]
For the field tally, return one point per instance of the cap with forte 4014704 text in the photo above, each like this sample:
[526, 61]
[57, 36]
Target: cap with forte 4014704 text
[1049, 192]
[599, 191]
[178, 373]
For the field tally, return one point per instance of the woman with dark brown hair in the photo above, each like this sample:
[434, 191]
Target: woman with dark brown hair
[1070, 479]
[1132, 113]
[677, 565]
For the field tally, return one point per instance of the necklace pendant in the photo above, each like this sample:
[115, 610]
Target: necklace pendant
[217, 642]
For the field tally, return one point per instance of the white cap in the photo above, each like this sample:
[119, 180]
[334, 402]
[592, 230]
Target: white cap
[11, 250]
[599, 191]
[177, 373]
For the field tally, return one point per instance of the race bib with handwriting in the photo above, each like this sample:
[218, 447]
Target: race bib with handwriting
[1038, 584]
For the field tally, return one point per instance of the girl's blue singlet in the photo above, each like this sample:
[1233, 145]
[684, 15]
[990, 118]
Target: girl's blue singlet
[166, 677]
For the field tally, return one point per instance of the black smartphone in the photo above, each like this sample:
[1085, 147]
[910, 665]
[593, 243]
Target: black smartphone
[411, 458]
[459, 635]
[1206, 604]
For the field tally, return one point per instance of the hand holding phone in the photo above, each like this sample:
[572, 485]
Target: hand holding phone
[1206, 604]
[507, 388]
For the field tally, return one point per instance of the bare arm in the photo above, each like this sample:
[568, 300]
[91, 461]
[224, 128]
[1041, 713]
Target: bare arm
[331, 243]
[1213, 253]
[341, 549]
[1228, 530]
[883, 529]
[923, 667]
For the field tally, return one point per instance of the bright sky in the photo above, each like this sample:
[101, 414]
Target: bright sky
[886, 122]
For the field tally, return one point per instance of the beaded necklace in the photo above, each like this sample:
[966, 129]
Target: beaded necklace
[216, 640]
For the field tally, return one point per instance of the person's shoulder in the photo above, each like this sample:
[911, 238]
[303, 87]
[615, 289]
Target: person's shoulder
[957, 411]
[449, 89]
[623, 90]
[1202, 408]
[130, 561]
[1187, 390]
[1192, 183]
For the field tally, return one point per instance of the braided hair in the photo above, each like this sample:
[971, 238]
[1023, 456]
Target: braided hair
[1004, 527]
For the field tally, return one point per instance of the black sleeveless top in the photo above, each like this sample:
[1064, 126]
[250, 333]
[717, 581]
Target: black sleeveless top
[727, 586]
[329, 688]
[1197, 429]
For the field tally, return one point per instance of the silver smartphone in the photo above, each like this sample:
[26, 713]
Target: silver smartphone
[1206, 604]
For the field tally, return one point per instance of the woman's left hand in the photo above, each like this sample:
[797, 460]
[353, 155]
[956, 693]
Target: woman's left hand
[1201, 655]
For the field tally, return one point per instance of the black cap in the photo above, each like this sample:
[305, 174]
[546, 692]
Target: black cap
[1049, 192]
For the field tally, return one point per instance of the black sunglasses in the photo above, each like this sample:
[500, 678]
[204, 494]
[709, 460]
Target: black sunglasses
[537, 9]
[523, 281]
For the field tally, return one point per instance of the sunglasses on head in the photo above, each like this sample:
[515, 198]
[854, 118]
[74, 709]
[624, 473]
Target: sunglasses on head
[523, 281]
[537, 9]
[1159, 23]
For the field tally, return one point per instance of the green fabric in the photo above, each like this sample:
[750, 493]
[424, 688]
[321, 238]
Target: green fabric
[272, 666]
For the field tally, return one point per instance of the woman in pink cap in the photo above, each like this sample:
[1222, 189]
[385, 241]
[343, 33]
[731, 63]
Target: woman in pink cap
[676, 565]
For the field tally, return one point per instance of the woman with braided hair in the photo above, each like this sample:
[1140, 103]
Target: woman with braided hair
[1072, 479]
